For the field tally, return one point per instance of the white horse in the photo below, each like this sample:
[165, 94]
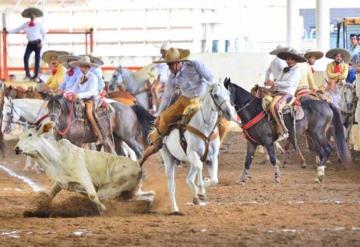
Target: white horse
[24, 112]
[134, 82]
[215, 101]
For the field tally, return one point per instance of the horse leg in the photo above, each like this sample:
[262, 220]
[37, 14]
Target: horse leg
[251, 148]
[170, 165]
[195, 167]
[136, 147]
[323, 150]
[200, 183]
[286, 158]
[213, 172]
[271, 150]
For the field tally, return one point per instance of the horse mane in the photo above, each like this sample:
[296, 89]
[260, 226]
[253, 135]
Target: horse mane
[64, 105]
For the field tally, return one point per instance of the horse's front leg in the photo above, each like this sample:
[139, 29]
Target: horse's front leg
[251, 148]
[195, 169]
[213, 168]
[170, 165]
[271, 150]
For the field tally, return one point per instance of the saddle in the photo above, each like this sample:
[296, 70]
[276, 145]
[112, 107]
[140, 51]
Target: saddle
[100, 112]
[182, 126]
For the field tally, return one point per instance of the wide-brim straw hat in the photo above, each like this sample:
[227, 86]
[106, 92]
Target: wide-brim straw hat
[64, 59]
[345, 54]
[292, 54]
[316, 54]
[52, 54]
[94, 59]
[27, 12]
[84, 61]
[278, 49]
[175, 55]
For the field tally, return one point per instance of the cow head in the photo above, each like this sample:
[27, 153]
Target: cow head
[33, 139]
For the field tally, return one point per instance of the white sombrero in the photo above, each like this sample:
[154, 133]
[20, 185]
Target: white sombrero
[27, 12]
[83, 61]
[292, 54]
[175, 55]
[94, 59]
[52, 54]
[345, 54]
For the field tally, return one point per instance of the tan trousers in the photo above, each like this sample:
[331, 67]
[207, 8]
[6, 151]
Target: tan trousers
[276, 106]
[89, 106]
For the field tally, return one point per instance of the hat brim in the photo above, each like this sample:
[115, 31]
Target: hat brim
[277, 50]
[27, 12]
[95, 60]
[81, 63]
[184, 56]
[65, 58]
[52, 53]
[345, 54]
[284, 55]
[316, 54]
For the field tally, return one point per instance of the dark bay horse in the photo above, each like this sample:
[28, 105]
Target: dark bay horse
[128, 124]
[318, 116]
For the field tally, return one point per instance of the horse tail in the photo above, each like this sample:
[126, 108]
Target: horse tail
[339, 136]
[146, 120]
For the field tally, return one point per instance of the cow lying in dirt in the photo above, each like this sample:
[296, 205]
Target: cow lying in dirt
[99, 175]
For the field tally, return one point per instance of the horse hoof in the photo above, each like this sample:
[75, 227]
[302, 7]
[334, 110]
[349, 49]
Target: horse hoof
[196, 201]
[303, 166]
[277, 180]
[177, 213]
[202, 197]
[285, 165]
[319, 179]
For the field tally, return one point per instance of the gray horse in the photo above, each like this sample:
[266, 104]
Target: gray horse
[348, 106]
[128, 124]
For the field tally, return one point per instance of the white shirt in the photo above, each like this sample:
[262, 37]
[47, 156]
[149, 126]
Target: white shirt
[32, 33]
[276, 67]
[288, 82]
[88, 89]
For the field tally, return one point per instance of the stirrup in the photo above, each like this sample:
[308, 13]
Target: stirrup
[282, 137]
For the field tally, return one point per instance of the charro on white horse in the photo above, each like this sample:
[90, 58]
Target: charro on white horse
[216, 101]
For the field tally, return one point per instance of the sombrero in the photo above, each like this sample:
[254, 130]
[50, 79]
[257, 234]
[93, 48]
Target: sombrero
[51, 54]
[278, 49]
[345, 54]
[316, 54]
[83, 61]
[292, 54]
[27, 12]
[64, 59]
[175, 55]
[94, 59]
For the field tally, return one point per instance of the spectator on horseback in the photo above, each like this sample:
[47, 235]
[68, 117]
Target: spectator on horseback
[307, 72]
[355, 53]
[97, 72]
[35, 34]
[337, 72]
[276, 66]
[86, 88]
[157, 88]
[285, 88]
[58, 70]
[72, 73]
[192, 78]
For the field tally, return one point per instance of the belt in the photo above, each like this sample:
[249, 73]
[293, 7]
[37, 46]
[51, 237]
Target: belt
[35, 41]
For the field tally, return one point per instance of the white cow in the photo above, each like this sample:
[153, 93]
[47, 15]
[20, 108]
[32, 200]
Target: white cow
[99, 175]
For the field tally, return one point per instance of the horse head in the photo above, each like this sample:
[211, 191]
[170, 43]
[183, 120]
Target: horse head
[221, 101]
[116, 78]
[348, 98]
[57, 106]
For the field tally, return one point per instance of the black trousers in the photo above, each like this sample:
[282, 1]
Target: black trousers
[32, 46]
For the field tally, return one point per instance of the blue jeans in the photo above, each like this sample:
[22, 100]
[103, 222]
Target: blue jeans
[32, 46]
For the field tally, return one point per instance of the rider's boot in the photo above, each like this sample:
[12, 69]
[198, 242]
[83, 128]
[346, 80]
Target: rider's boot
[156, 142]
[283, 131]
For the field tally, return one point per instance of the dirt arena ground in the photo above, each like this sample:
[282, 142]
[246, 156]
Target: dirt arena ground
[297, 212]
